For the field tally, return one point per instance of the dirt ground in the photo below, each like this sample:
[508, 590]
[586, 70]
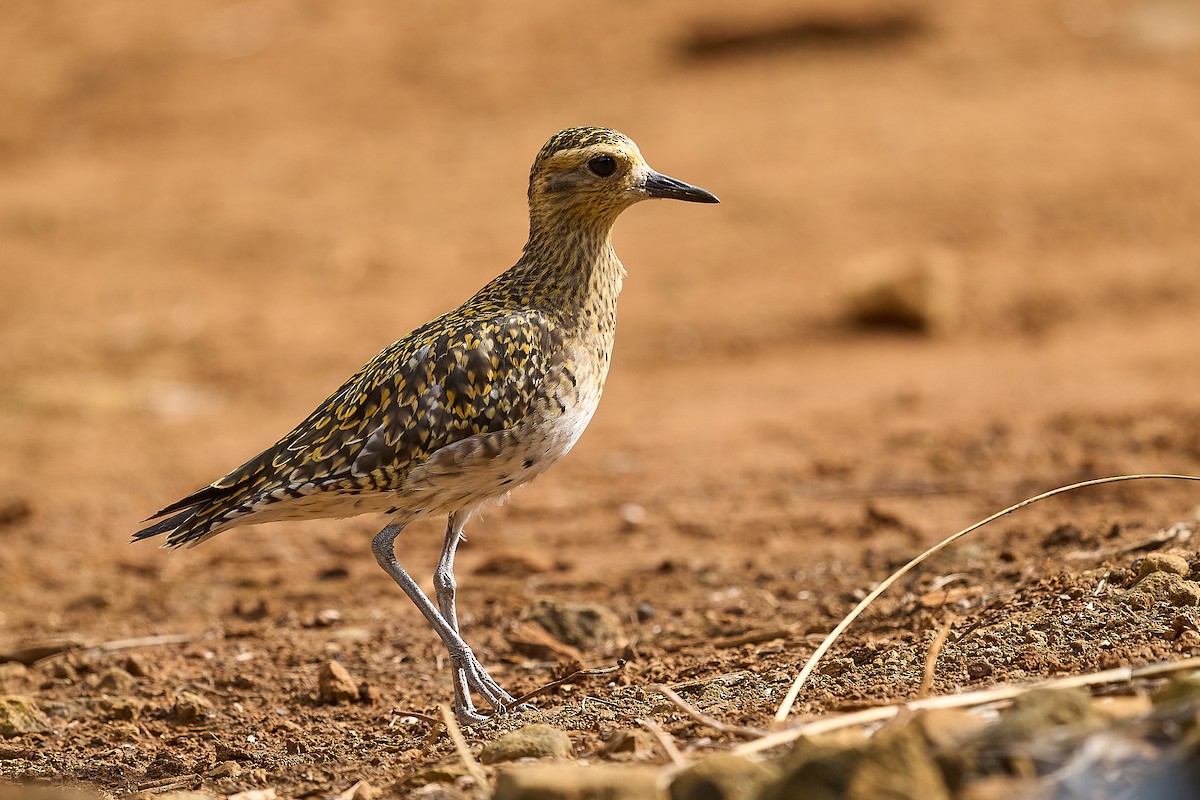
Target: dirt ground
[212, 212]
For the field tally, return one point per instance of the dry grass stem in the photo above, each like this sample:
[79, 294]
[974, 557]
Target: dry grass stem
[935, 649]
[788, 701]
[460, 746]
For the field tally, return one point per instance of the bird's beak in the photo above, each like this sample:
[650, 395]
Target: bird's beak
[658, 185]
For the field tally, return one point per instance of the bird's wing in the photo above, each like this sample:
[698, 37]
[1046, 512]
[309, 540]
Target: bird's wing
[446, 381]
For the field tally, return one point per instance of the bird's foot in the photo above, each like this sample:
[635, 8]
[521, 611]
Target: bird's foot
[472, 677]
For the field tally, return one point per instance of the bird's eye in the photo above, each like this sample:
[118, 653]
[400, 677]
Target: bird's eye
[603, 166]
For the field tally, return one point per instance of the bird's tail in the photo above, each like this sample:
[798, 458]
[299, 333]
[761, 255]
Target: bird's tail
[193, 519]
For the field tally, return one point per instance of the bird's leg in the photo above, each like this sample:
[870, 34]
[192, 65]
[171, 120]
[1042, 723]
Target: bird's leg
[444, 586]
[464, 661]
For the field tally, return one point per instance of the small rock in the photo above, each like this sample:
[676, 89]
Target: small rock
[635, 743]
[895, 762]
[362, 790]
[1163, 562]
[645, 612]
[335, 684]
[1182, 689]
[979, 669]
[514, 565]
[13, 675]
[191, 708]
[574, 782]
[1122, 707]
[584, 625]
[632, 516]
[531, 741]
[723, 777]
[917, 290]
[260, 610]
[835, 666]
[126, 708]
[947, 728]
[531, 639]
[137, 666]
[443, 773]
[327, 617]
[20, 715]
[226, 769]
[116, 681]
[14, 510]
[166, 765]
[1163, 587]
[1041, 709]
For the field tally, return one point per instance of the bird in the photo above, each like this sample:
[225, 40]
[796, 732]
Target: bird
[467, 407]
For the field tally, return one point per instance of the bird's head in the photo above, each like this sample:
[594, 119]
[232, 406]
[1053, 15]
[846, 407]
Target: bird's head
[597, 173]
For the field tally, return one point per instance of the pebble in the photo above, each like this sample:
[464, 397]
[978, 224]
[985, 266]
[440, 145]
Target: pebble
[191, 708]
[1163, 587]
[335, 684]
[327, 617]
[361, 790]
[573, 782]
[979, 669]
[1163, 562]
[137, 666]
[836, 666]
[20, 715]
[947, 728]
[895, 762]
[13, 675]
[125, 708]
[913, 289]
[632, 515]
[531, 741]
[1040, 709]
[584, 625]
[116, 681]
[723, 777]
[634, 743]
[1182, 689]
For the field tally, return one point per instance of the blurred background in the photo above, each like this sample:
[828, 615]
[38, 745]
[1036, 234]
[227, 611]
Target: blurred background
[957, 259]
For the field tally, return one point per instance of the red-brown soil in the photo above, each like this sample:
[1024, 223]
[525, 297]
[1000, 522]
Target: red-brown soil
[211, 213]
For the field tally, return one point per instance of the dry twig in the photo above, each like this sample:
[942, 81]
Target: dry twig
[142, 641]
[705, 719]
[579, 673]
[460, 746]
[665, 742]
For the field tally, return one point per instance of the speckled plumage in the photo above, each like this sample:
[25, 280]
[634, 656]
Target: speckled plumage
[475, 402]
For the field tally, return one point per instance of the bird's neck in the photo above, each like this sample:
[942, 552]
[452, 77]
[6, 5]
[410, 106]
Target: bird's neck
[570, 265]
